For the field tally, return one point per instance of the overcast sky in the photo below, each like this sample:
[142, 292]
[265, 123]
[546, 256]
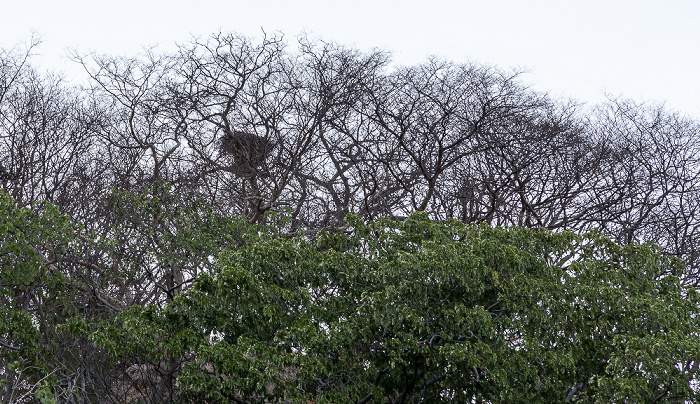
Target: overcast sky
[640, 49]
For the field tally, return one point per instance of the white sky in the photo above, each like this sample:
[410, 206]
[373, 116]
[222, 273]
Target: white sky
[641, 49]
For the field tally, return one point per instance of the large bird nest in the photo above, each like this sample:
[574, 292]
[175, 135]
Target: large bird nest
[249, 151]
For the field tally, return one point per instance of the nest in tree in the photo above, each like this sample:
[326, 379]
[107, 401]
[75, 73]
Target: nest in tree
[249, 151]
[5, 175]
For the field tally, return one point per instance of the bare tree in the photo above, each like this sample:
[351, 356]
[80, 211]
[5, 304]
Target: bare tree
[46, 148]
[655, 173]
[230, 96]
[333, 94]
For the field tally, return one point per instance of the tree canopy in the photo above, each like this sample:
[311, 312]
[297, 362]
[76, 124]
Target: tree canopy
[247, 221]
[423, 311]
[401, 311]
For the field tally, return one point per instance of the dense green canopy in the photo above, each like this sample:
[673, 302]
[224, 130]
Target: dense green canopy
[387, 311]
[421, 311]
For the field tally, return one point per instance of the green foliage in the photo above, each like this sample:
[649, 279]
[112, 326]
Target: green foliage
[30, 306]
[398, 311]
[44, 394]
[62, 287]
[424, 311]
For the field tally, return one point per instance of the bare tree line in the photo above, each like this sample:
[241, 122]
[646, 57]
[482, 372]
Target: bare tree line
[324, 130]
